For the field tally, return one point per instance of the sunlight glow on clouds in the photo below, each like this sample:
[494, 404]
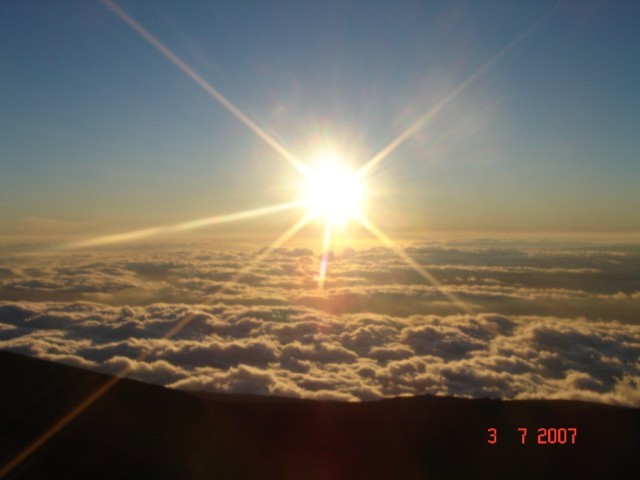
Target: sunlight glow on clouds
[552, 321]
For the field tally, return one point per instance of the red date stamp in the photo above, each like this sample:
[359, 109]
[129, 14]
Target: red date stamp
[545, 436]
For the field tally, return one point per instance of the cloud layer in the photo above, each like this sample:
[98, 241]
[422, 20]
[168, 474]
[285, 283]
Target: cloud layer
[545, 322]
[297, 351]
[513, 279]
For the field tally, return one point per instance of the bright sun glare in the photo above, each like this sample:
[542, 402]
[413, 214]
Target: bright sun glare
[332, 190]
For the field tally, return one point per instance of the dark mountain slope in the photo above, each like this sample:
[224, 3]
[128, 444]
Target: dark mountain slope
[143, 431]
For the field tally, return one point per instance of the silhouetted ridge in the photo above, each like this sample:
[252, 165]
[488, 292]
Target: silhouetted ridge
[141, 431]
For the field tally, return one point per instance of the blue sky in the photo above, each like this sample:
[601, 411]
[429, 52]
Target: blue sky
[99, 130]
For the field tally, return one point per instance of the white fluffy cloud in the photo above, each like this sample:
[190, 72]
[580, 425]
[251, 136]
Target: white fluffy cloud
[547, 321]
[301, 352]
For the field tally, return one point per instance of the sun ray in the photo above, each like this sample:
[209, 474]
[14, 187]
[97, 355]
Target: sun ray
[260, 257]
[109, 384]
[324, 262]
[206, 86]
[59, 425]
[185, 226]
[411, 262]
[431, 113]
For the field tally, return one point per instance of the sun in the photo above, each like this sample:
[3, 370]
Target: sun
[332, 191]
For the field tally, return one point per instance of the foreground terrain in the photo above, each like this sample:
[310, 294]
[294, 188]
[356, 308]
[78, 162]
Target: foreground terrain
[137, 430]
